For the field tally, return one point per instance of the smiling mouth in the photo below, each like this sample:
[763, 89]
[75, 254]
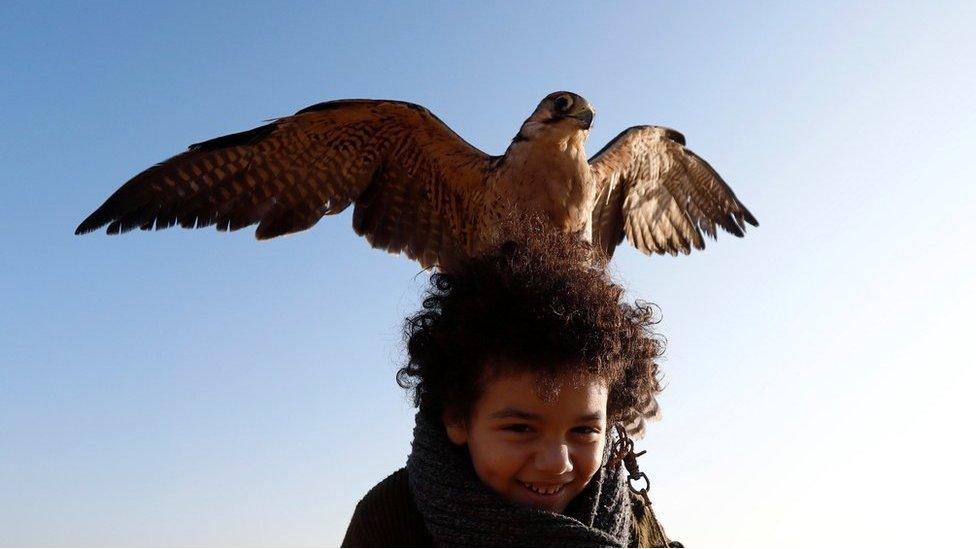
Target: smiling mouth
[543, 490]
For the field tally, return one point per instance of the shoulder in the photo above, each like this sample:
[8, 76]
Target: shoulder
[387, 517]
[646, 530]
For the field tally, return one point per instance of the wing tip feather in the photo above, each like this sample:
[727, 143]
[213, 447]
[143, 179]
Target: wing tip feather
[93, 222]
[85, 228]
[750, 219]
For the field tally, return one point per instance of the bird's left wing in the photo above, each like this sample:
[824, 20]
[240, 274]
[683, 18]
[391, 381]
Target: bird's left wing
[660, 195]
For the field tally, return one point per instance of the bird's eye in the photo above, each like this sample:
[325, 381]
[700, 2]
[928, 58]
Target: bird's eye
[563, 103]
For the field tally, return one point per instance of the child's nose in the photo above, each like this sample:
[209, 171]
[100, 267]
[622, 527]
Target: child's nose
[553, 459]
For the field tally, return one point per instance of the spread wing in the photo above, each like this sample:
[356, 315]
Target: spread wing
[413, 180]
[660, 194]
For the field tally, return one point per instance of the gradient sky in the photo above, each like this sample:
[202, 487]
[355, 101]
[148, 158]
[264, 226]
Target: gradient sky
[201, 388]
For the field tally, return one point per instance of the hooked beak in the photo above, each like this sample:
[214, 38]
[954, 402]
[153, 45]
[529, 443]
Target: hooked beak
[584, 115]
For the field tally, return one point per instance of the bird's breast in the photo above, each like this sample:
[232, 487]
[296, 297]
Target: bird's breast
[564, 194]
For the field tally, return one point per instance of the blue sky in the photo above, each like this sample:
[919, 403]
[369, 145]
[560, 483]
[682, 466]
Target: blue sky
[201, 388]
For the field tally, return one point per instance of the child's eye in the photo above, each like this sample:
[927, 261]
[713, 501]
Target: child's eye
[517, 428]
[586, 430]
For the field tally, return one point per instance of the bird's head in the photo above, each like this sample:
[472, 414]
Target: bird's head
[560, 115]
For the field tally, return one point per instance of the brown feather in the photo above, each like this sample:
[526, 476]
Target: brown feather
[670, 194]
[403, 167]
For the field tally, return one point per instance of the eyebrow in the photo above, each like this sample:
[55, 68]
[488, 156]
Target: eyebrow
[595, 416]
[512, 412]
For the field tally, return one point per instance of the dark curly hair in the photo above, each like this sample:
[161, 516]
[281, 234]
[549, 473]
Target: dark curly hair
[541, 301]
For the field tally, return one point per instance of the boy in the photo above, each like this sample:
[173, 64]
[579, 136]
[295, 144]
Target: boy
[521, 362]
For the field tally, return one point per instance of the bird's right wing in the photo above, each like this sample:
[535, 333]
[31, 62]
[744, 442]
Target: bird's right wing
[414, 181]
[660, 195]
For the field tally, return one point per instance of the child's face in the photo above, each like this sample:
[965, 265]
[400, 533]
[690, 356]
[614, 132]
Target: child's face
[530, 451]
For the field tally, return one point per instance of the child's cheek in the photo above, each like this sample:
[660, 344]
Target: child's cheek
[499, 466]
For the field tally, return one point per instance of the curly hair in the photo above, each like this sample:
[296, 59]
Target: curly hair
[541, 301]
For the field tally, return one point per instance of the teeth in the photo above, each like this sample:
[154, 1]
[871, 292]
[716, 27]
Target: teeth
[541, 490]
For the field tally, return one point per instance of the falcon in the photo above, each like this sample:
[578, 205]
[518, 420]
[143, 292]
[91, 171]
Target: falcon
[421, 190]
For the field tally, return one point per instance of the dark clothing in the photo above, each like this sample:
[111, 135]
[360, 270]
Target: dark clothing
[387, 516]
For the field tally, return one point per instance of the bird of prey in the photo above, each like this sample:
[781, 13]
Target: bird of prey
[420, 189]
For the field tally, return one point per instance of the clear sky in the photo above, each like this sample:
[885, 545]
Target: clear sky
[194, 387]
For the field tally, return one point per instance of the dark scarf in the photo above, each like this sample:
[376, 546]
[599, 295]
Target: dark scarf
[459, 510]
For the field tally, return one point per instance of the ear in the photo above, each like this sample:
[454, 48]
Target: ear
[457, 430]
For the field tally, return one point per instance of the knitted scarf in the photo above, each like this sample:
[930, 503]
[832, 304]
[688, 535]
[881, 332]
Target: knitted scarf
[460, 511]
